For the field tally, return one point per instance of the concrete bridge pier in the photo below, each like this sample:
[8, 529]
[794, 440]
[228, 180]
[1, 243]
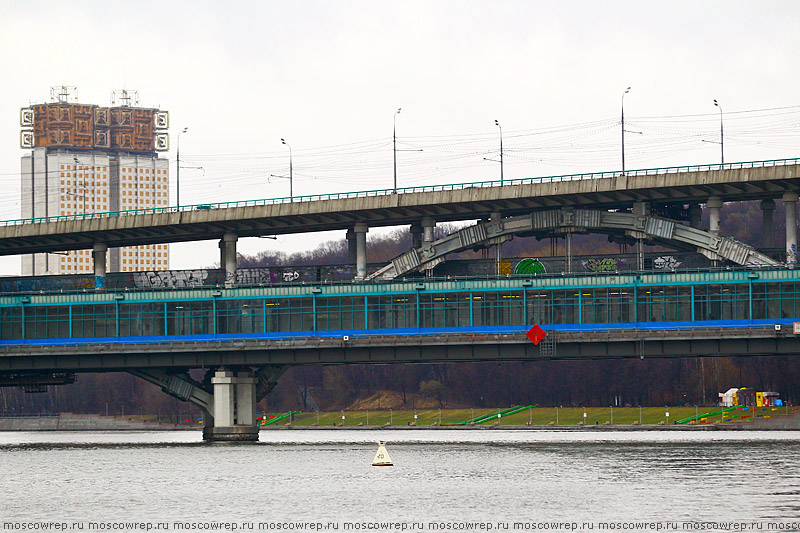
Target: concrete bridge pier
[416, 235]
[768, 225]
[643, 209]
[714, 205]
[498, 254]
[350, 236]
[227, 396]
[227, 258]
[361, 250]
[695, 213]
[99, 259]
[790, 203]
[428, 225]
[234, 407]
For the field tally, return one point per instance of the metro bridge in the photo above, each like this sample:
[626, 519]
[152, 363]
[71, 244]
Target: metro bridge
[244, 338]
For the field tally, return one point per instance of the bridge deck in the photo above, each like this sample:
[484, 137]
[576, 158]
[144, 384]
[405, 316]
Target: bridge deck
[639, 342]
[700, 313]
[675, 185]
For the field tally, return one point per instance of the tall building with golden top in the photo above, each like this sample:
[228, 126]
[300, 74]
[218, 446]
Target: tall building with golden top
[89, 159]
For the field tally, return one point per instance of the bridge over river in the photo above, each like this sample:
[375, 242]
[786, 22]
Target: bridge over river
[243, 338]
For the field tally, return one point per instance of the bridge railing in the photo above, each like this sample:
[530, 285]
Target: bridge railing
[406, 190]
[213, 279]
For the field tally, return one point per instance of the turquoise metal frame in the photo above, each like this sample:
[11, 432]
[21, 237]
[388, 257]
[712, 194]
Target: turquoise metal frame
[734, 297]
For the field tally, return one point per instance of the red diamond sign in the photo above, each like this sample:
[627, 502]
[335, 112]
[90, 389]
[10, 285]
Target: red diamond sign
[536, 334]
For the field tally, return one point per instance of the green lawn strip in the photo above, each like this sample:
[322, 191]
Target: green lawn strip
[538, 416]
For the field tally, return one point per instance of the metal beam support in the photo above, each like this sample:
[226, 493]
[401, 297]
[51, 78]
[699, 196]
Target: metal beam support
[565, 220]
[267, 378]
[180, 386]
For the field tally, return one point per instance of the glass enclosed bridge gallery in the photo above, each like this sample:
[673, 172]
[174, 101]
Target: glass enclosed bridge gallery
[624, 301]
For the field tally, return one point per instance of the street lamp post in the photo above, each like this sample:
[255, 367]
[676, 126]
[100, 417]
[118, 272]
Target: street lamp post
[622, 121]
[394, 145]
[721, 138]
[291, 172]
[178, 170]
[497, 123]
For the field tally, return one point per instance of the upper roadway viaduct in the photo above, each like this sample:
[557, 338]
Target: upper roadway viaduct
[667, 191]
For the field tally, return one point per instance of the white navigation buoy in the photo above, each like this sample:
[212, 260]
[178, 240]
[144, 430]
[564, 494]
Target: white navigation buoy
[382, 456]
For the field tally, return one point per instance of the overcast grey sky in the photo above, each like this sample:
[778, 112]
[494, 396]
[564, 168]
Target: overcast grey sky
[328, 76]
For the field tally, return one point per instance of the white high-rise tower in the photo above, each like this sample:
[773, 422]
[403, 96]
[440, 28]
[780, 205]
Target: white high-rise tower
[89, 159]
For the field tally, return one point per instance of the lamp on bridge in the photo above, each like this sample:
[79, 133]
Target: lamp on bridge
[721, 139]
[497, 123]
[178, 169]
[291, 172]
[290, 177]
[394, 145]
[622, 122]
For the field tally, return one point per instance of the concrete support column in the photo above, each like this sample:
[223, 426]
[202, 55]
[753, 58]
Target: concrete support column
[416, 235]
[99, 259]
[245, 398]
[768, 224]
[694, 215]
[234, 407]
[428, 224]
[351, 247]
[714, 205]
[361, 250]
[790, 204]
[642, 209]
[568, 250]
[229, 240]
[498, 255]
[224, 398]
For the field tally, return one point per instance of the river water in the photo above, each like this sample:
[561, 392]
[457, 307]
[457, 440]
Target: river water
[447, 477]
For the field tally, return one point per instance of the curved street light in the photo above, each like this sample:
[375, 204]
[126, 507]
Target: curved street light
[394, 144]
[497, 123]
[622, 121]
[178, 170]
[291, 193]
[721, 138]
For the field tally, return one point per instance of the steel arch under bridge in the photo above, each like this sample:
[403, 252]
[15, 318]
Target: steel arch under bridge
[654, 229]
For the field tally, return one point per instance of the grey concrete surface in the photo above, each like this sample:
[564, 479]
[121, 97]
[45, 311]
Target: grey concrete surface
[469, 203]
[75, 422]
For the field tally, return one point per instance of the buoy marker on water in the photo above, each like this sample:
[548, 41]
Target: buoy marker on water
[382, 456]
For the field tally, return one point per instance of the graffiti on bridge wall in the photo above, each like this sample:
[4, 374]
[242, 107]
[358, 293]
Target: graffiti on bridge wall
[530, 266]
[607, 264]
[250, 276]
[666, 262]
[171, 279]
